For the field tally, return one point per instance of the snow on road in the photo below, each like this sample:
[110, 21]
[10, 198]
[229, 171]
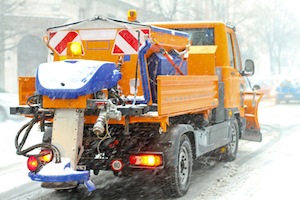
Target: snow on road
[273, 172]
[13, 167]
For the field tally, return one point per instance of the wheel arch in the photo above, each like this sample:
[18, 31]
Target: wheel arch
[171, 142]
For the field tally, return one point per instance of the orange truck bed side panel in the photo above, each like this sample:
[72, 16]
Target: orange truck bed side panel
[80, 102]
[201, 60]
[26, 89]
[186, 94]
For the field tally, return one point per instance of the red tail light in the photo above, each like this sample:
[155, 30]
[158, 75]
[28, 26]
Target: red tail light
[148, 160]
[47, 156]
[33, 163]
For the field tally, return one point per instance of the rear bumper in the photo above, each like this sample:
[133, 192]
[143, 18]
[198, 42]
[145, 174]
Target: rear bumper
[80, 176]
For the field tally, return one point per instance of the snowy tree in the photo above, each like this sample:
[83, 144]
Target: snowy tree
[277, 30]
[6, 32]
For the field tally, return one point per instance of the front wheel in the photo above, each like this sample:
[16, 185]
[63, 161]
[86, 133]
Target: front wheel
[232, 147]
[176, 179]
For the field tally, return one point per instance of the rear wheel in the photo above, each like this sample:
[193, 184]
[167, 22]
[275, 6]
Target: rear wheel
[177, 179]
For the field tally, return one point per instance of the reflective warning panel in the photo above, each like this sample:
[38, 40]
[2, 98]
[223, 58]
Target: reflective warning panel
[126, 41]
[59, 40]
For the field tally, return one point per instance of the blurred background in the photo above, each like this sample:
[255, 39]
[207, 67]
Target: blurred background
[268, 30]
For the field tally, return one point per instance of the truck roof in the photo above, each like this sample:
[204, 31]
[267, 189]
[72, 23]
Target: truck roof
[99, 22]
[184, 24]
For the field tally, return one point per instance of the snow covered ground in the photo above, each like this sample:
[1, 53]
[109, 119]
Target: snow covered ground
[273, 171]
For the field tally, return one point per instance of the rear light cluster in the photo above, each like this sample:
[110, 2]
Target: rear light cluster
[146, 160]
[35, 162]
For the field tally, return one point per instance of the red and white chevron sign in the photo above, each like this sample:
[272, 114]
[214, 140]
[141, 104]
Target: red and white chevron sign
[126, 41]
[59, 40]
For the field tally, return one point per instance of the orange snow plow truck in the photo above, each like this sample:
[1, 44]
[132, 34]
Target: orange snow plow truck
[136, 98]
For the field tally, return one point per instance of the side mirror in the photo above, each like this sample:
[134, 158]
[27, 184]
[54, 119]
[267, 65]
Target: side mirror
[249, 68]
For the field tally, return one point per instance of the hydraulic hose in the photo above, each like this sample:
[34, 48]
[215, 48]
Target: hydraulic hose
[28, 126]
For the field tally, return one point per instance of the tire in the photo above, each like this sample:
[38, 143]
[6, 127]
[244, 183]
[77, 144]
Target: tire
[176, 180]
[232, 147]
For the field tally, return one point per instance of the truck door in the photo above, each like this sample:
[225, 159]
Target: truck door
[250, 99]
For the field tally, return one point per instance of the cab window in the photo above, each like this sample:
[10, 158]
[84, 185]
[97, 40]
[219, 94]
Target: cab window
[237, 55]
[230, 50]
[200, 36]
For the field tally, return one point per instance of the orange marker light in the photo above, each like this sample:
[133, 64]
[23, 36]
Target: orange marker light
[45, 40]
[47, 157]
[131, 15]
[75, 48]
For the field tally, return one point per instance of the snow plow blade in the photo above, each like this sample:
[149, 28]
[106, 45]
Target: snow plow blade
[252, 135]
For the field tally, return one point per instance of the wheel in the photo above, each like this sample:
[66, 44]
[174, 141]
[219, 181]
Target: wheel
[177, 179]
[3, 114]
[232, 147]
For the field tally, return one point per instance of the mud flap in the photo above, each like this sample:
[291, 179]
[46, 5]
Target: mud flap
[252, 135]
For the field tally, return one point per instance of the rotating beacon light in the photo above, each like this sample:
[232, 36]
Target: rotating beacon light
[131, 15]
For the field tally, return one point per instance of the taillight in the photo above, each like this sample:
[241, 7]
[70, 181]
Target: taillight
[147, 160]
[47, 156]
[33, 163]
